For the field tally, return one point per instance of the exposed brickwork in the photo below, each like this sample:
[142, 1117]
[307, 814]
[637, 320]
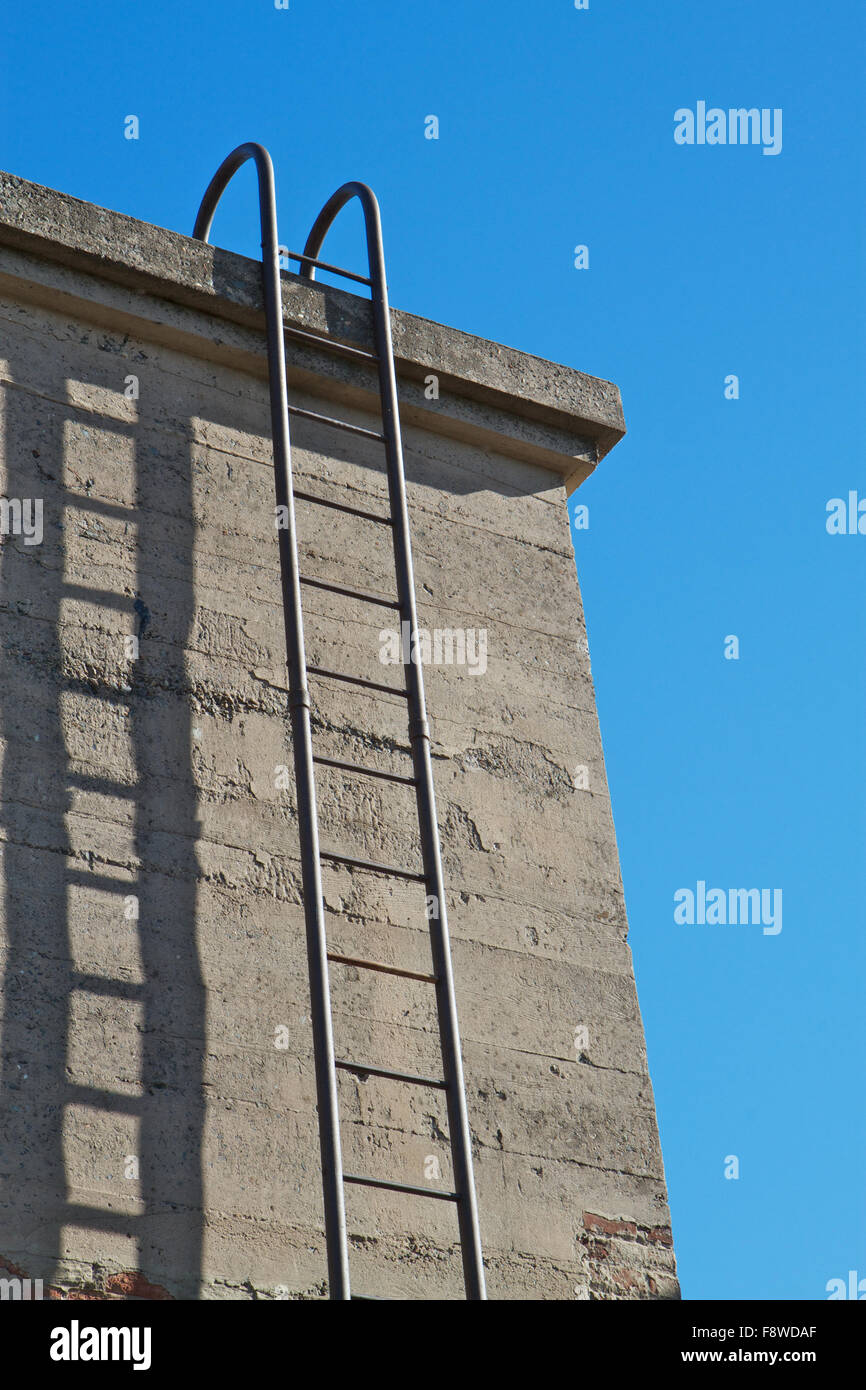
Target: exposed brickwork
[623, 1261]
[129, 1285]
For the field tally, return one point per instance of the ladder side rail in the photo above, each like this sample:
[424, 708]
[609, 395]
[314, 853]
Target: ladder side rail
[299, 701]
[458, 1119]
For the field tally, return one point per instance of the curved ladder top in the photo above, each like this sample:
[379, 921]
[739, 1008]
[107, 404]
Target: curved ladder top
[372, 223]
[224, 175]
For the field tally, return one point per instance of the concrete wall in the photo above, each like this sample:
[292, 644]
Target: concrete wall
[157, 1113]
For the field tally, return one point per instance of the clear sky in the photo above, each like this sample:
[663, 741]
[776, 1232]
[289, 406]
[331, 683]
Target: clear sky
[556, 129]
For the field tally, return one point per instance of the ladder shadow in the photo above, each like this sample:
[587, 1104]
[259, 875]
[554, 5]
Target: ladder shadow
[102, 1002]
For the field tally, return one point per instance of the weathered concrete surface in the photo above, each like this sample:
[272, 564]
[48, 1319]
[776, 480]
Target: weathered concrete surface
[525, 406]
[158, 1129]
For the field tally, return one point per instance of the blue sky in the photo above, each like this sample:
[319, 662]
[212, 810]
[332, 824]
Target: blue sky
[556, 129]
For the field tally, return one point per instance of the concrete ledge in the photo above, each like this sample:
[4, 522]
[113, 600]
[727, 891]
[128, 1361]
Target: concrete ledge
[538, 411]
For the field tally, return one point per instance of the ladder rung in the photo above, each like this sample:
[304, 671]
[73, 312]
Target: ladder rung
[96, 1099]
[342, 507]
[324, 265]
[366, 771]
[367, 1069]
[363, 594]
[102, 883]
[104, 985]
[100, 1218]
[86, 782]
[356, 680]
[338, 424]
[401, 1187]
[384, 969]
[330, 343]
[107, 598]
[372, 865]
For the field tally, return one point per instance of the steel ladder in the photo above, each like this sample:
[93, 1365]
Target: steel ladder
[327, 1063]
